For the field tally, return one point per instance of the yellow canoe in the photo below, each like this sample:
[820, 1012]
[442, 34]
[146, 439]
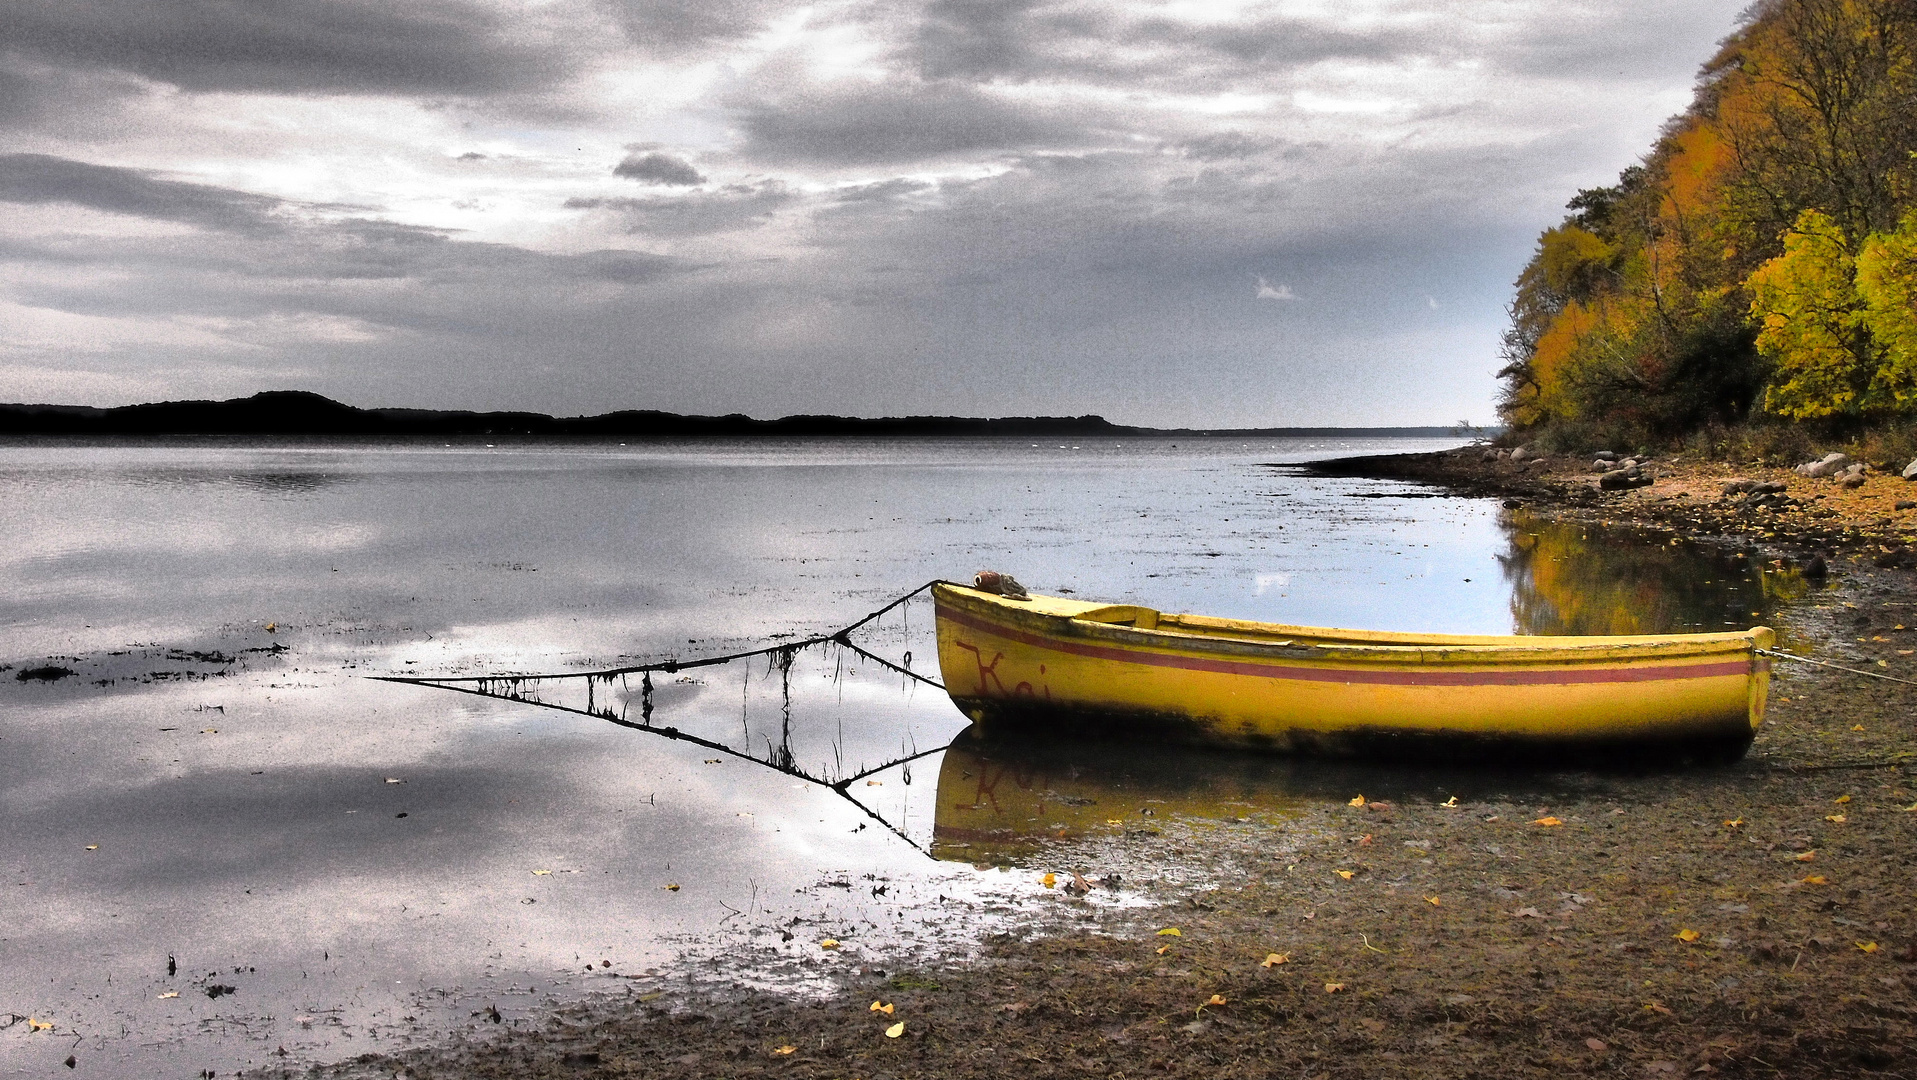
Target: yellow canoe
[1047, 664]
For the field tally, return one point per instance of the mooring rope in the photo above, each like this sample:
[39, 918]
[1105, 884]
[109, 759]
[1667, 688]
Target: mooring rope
[1835, 667]
[841, 636]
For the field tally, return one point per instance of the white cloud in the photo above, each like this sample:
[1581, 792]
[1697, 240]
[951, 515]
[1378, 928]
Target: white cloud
[1268, 291]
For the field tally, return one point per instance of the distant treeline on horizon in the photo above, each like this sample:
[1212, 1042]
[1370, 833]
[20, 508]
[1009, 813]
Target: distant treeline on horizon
[295, 412]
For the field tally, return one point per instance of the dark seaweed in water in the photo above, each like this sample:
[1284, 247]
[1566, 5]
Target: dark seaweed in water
[46, 673]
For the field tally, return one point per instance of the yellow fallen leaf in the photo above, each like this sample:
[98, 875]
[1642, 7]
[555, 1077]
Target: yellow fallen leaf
[1274, 959]
[1163, 949]
[1049, 880]
[1114, 821]
[886, 1009]
[829, 943]
[1433, 901]
[1841, 799]
[1334, 988]
[1359, 801]
[875, 783]
[93, 847]
[895, 1030]
[1346, 874]
[672, 886]
[1816, 879]
[37, 1025]
[1171, 931]
[1547, 821]
[1857, 727]
[1805, 857]
[210, 731]
[1451, 802]
[1219, 999]
[785, 1050]
[1867, 946]
[541, 873]
[272, 628]
[1687, 936]
[1835, 819]
[1656, 1007]
[169, 994]
[1734, 823]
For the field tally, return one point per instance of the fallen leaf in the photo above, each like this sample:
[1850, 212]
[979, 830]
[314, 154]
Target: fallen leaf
[1219, 999]
[394, 780]
[1049, 880]
[1346, 874]
[1596, 1044]
[654, 996]
[93, 847]
[1815, 879]
[1687, 936]
[829, 943]
[1334, 988]
[895, 1030]
[712, 761]
[1359, 801]
[1114, 821]
[1163, 949]
[1805, 857]
[1451, 802]
[1528, 913]
[1274, 959]
[1171, 931]
[1841, 799]
[169, 994]
[785, 1050]
[37, 1025]
[1547, 821]
[886, 1009]
[1433, 901]
[1857, 727]
[1867, 946]
[1835, 819]
[541, 873]
[1657, 1008]
[1734, 823]
[1365, 840]
[875, 783]
[672, 886]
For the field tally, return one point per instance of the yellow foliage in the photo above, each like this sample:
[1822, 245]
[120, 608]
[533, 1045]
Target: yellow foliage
[1807, 307]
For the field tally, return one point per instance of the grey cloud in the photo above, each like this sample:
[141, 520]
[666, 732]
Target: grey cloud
[658, 169]
[736, 206]
[41, 178]
[291, 46]
[665, 25]
[1020, 40]
[897, 123]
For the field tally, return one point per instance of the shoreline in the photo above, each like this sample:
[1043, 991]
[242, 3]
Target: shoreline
[1745, 920]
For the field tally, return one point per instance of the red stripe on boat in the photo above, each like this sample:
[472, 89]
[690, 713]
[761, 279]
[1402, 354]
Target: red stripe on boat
[1559, 676]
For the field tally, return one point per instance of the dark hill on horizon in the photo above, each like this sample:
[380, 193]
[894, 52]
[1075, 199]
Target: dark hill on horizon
[301, 413]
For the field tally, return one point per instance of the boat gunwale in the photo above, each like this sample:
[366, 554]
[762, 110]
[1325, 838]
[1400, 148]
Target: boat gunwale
[1304, 643]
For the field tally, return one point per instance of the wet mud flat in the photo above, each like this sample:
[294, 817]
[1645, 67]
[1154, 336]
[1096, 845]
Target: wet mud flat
[1753, 919]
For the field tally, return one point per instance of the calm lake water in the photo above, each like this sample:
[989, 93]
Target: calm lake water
[222, 840]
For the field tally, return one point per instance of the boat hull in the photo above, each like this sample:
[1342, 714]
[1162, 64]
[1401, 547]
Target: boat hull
[1050, 665]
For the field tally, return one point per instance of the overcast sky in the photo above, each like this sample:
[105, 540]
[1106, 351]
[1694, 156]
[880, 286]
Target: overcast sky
[1197, 214]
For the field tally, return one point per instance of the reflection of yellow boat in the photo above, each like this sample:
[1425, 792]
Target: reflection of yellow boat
[999, 803]
[1046, 664]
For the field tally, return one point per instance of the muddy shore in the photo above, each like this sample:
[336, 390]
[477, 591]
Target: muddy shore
[1754, 919]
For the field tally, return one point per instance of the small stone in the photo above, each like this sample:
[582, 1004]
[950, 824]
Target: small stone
[1853, 481]
[1520, 454]
[1611, 455]
[1904, 504]
[1910, 470]
[1739, 486]
[1829, 465]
